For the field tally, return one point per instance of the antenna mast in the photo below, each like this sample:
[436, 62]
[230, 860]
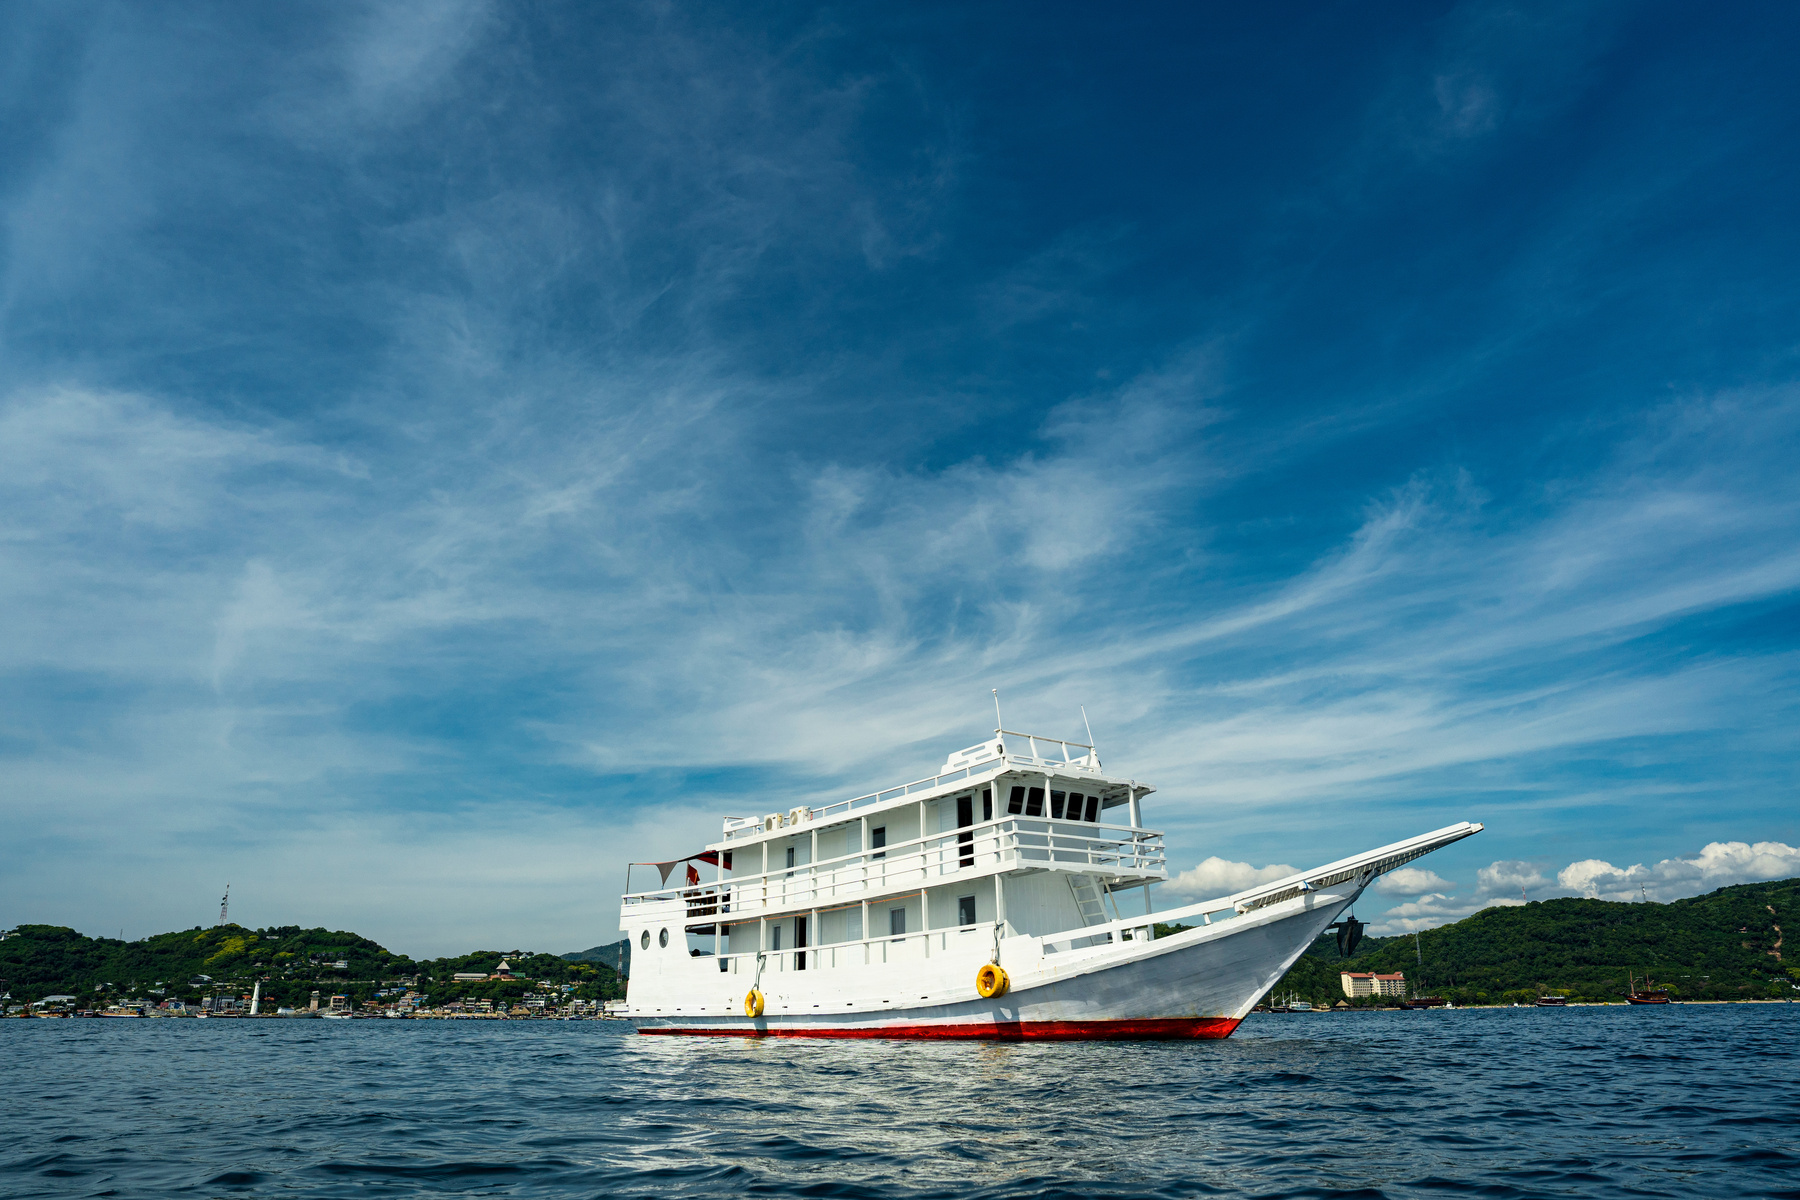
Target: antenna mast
[224, 904]
[999, 725]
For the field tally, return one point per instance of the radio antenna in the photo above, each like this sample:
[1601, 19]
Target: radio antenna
[999, 725]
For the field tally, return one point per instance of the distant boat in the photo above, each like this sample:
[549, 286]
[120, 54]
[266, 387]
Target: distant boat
[1424, 1002]
[1646, 994]
[1552, 1002]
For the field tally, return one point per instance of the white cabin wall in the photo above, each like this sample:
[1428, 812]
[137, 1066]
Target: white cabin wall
[902, 823]
[1040, 903]
[878, 916]
[945, 896]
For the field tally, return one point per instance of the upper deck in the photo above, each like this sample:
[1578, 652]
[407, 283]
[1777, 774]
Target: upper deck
[1056, 759]
[1015, 803]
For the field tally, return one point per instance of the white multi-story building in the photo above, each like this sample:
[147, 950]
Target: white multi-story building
[1367, 983]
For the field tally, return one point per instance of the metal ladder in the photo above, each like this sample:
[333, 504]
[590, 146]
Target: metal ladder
[1087, 899]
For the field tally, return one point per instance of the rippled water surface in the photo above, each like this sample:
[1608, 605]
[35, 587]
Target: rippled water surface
[1686, 1101]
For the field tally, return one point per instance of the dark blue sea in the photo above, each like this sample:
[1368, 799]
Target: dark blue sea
[1683, 1101]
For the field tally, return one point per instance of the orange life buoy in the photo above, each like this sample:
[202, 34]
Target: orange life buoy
[991, 981]
[753, 1003]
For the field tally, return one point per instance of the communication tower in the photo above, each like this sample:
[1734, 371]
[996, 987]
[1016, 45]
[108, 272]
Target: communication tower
[224, 904]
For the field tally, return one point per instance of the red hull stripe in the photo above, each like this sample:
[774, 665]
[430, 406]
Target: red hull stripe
[1009, 1031]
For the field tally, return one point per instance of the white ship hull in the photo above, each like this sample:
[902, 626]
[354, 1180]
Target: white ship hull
[1196, 984]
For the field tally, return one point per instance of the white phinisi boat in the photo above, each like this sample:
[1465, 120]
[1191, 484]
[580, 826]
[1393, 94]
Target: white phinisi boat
[1007, 896]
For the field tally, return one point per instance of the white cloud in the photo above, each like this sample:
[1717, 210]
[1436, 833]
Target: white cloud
[1431, 911]
[1411, 881]
[1504, 878]
[1215, 877]
[1719, 864]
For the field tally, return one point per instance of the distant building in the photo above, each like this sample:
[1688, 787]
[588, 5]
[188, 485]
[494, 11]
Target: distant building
[1367, 983]
[470, 977]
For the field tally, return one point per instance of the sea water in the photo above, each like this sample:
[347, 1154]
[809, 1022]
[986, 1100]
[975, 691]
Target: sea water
[1687, 1100]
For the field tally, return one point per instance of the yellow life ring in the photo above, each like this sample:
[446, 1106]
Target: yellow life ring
[991, 981]
[753, 1003]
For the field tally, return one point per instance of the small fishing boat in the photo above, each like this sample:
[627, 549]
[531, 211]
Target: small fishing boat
[1552, 1002]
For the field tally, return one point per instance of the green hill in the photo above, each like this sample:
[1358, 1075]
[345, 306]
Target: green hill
[1725, 945]
[42, 960]
[616, 955]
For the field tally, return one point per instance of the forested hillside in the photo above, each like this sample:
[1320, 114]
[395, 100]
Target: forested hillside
[41, 960]
[1726, 945]
[616, 955]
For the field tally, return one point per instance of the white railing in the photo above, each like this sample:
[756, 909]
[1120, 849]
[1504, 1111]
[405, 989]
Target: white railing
[968, 762]
[1039, 756]
[899, 947]
[1108, 850]
[1361, 869]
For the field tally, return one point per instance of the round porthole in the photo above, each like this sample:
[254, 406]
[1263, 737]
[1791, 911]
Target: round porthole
[662, 939]
[644, 942]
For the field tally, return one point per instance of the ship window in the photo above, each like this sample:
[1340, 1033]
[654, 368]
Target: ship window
[1056, 804]
[878, 839]
[1016, 803]
[1034, 802]
[896, 922]
[853, 925]
[790, 861]
[662, 939]
[1093, 811]
[965, 910]
[1075, 799]
[644, 942]
[774, 937]
[987, 805]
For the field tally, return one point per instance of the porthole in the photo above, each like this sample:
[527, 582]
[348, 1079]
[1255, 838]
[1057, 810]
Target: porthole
[644, 942]
[662, 939]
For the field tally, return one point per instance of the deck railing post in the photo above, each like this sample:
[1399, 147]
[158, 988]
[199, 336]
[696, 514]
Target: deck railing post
[925, 917]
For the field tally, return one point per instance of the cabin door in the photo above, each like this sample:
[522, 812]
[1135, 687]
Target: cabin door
[965, 841]
[799, 943]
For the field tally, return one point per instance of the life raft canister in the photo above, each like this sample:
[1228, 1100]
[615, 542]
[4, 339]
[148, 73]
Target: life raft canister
[753, 1003]
[991, 981]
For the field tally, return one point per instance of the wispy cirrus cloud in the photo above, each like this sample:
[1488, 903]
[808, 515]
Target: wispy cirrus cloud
[506, 411]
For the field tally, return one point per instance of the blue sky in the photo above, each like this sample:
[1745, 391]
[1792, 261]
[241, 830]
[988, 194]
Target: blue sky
[446, 451]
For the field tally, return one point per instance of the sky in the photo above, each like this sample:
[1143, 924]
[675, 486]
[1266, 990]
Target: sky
[447, 451]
